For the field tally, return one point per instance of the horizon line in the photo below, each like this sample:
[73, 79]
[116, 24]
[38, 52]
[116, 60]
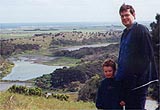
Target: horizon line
[68, 22]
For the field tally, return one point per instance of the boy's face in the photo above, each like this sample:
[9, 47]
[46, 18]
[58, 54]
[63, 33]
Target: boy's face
[108, 71]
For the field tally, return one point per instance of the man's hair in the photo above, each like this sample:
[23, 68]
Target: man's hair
[125, 7]
[109, 62]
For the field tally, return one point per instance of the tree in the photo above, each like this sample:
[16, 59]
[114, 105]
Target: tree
[89, 90]
[155, 27]
[61, 78]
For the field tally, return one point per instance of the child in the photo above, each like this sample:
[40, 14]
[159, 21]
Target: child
[107, 95]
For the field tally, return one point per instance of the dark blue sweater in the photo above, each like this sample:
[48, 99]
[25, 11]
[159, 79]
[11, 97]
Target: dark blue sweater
[136, 65]
[108, 95]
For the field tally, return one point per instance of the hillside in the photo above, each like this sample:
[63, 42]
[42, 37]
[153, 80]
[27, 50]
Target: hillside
[89, 65]
[10, 101]
[45, 42]
[5, 67]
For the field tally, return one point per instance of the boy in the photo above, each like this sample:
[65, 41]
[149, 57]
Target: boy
[107, 95]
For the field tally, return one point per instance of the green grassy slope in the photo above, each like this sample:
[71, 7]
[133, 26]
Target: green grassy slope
[10, 101]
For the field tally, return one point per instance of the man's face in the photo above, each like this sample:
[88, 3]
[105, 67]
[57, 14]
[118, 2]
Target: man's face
[127, 18]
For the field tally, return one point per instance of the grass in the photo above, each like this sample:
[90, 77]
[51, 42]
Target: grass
[10, 101]
[5, 68]
[63, 61]
[43, 42]
[41, 51]
[8, 36]
[18, 33]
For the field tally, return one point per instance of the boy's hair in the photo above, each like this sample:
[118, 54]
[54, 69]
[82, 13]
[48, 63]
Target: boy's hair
[125, 7]
[111, 63]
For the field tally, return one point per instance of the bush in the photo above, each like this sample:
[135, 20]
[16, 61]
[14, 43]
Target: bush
[89, 90]
[61, 97]
[25, 90]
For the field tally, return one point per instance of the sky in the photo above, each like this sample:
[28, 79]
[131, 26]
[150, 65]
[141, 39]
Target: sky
[24, 11]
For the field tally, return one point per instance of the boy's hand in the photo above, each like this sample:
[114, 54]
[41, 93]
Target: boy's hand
[122, 103]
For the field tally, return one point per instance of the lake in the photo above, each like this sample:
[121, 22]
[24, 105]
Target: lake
[25, 70]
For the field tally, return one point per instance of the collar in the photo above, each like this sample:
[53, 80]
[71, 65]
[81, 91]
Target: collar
[127, 29]
[132, 25]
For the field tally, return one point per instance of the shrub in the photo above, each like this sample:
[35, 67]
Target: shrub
[61, 97]
[25, 90]
[88, 91]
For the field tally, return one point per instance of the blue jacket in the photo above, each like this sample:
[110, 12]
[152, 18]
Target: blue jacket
[136, 65]
[108, 95]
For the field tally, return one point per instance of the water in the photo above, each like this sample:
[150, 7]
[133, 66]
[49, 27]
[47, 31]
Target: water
[6, 85]
[78, 47]
[25, 70]
[68, 25]
[57, 24]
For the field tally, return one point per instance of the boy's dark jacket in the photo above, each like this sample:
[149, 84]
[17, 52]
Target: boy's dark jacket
[136, 64]
[108, 95]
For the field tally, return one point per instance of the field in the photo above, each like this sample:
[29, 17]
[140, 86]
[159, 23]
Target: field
[10, 101]
[61, 61]
[22, 33]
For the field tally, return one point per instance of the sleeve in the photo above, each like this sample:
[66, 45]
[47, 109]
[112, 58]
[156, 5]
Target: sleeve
[148, 47]
[99, 95]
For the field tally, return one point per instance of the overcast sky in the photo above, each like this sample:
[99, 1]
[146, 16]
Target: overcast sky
[15, 11]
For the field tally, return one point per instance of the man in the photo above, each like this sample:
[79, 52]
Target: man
[136, 65]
